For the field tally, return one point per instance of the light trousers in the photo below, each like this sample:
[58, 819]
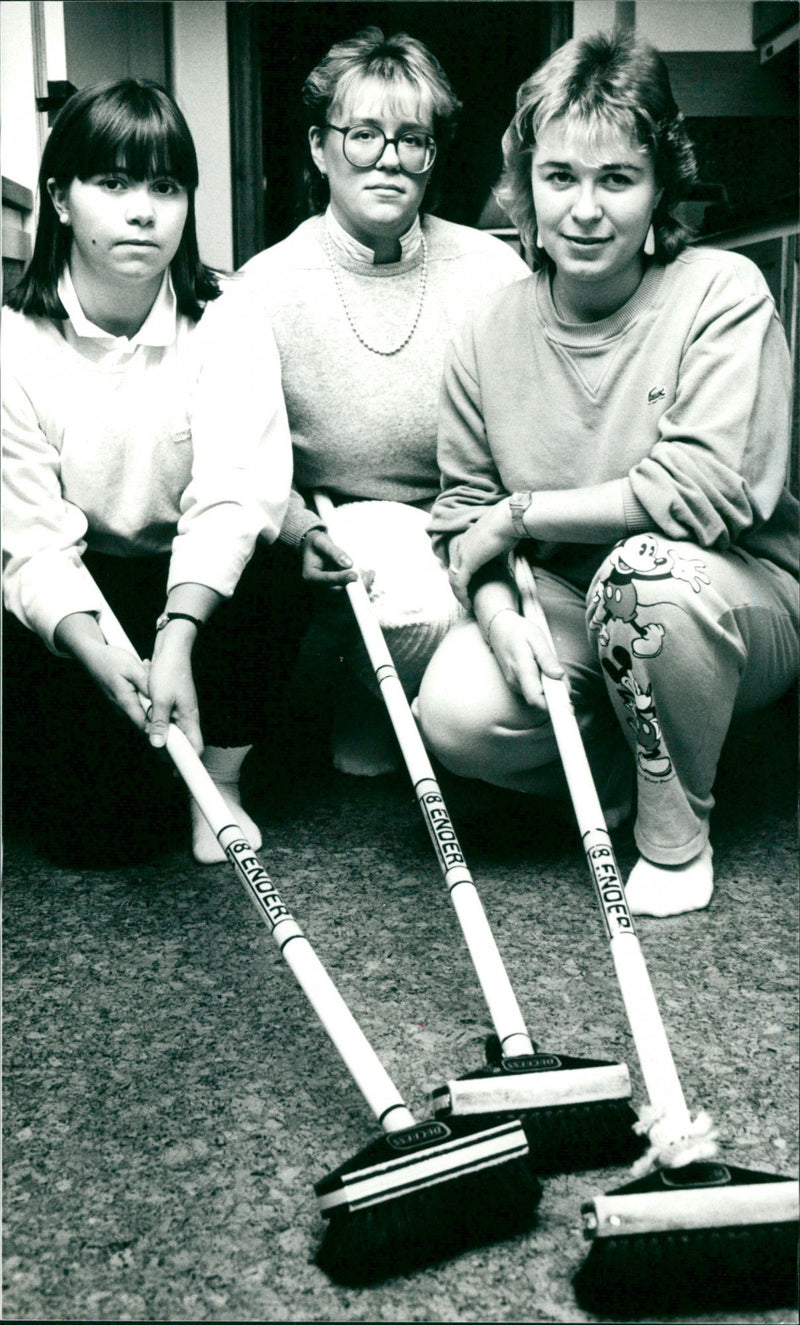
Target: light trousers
[667, 644]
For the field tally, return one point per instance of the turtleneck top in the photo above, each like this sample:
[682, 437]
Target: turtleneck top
[364, 424]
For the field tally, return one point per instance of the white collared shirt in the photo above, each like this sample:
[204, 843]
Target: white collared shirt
[159, 328]
[171, 440]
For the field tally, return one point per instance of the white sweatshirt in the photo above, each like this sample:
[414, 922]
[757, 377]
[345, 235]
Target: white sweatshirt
[176, 438]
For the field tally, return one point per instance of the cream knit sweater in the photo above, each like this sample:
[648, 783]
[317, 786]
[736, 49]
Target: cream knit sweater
[364, 425]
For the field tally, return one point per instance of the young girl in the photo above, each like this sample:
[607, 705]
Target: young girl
[144, 452]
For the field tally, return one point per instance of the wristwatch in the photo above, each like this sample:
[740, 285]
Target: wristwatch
[166, 617]
[518, 504]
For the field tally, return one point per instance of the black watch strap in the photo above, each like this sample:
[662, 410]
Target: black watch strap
[166, 617]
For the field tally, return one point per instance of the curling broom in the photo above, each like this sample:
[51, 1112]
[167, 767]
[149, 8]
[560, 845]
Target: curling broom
[576, 1111]
[691, 1232]
[424, 1190]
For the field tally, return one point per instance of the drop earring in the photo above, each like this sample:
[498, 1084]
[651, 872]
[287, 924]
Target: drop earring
[536, 240]
[650, 242]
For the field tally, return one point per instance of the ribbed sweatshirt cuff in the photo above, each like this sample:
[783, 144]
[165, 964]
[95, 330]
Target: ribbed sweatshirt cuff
[295, 527]
[637, 517]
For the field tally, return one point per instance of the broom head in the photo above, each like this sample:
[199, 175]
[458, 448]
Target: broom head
[703, 1237]
[576, 1112]
[417, 1196]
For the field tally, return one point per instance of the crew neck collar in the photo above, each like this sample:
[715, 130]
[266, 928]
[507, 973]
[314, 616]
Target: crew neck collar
[603, 328]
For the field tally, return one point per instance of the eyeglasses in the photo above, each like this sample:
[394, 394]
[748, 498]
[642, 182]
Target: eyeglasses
[364, 144]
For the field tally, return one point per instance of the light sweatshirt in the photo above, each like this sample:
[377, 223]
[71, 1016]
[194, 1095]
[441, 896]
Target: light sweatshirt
[364, 425]
[173, 440]
[682, 397]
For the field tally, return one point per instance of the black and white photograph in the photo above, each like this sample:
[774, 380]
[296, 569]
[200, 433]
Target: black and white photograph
[401, 617]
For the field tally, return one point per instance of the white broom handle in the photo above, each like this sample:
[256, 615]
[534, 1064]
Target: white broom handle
[500, 998]
[658, 1067]
[359, 1057]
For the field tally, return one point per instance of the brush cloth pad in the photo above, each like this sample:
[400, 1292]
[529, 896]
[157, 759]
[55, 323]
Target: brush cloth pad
[407, 584]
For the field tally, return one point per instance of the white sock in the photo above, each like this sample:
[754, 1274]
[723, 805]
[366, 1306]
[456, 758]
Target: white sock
[224, 764]
[670, 890]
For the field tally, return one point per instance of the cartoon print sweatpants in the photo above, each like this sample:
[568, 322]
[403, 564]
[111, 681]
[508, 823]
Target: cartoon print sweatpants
[686, 638]
[678, 639]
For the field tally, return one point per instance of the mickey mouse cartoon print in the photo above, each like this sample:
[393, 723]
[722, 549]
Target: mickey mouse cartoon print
[641, 716]
[638, 559]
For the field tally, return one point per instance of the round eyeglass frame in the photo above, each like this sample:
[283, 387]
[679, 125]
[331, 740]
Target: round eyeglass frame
[396, 143]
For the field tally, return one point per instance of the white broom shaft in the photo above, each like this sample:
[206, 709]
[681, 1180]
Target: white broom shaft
[652, 1046]
[349, 1040]
[489, 968]
[655, 1055]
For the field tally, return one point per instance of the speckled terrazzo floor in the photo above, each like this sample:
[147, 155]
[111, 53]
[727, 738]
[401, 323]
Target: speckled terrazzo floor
[170, 1099]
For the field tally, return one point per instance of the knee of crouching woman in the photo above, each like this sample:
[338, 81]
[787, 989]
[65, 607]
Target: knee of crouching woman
[444, 724]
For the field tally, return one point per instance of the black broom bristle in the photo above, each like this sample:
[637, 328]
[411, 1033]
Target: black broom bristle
[739, 1267]
[472, 1201]
[572, 1137]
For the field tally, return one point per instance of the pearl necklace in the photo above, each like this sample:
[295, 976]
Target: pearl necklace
[422, 287]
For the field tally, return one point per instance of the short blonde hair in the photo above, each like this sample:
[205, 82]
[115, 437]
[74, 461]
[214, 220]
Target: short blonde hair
[596, 84]
[401, 62]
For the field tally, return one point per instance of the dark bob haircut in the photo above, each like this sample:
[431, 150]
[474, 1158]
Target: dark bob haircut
[129, 124]
[599, 84]
[401, 61]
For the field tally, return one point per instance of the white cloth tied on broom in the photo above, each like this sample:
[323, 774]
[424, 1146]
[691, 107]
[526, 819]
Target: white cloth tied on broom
[407, 584]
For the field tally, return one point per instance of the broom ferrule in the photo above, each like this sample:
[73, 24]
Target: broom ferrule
[518, 1044]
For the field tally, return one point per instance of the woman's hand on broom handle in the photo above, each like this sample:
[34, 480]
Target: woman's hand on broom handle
[522, 654]
[324, 562]
[171, 684]
[521, 647]
[120, 675]
[171, 687]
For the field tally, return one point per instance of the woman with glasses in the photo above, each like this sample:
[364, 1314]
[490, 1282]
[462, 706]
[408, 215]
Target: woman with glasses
[624, 414]
[363, 298]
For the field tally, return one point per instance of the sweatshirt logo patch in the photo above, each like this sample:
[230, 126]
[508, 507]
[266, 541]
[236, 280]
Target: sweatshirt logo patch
[656, 393]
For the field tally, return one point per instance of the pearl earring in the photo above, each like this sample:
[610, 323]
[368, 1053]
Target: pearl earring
[536, 240]
[650, 242]
[64, 218]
